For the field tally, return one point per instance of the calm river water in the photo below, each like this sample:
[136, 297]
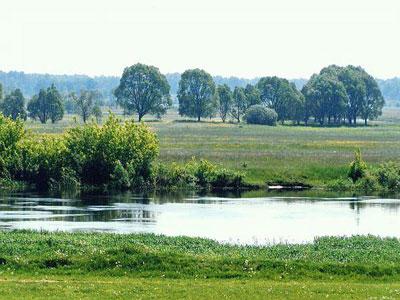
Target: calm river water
[266, 219]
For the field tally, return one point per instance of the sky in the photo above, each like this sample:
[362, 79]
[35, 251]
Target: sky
[247, 38]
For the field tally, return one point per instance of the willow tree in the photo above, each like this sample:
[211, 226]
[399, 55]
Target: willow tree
[196, 94]
[143, 90]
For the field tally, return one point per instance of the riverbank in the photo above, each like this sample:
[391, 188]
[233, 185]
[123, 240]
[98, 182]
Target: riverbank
[59, 263]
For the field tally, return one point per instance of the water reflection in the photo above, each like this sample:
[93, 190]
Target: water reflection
[240, 218]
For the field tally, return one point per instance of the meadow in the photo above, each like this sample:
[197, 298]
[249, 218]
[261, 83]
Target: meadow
[87, 265]
[281, 154]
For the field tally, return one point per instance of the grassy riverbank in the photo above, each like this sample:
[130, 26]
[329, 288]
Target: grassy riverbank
[92, 264]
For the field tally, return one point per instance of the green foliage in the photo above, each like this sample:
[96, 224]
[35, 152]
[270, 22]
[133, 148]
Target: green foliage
[94, 151]
[239, 104]
[224, 94]
[46, 105]
[358, 167]
[200, 174]
[13, 105]
[259, 114]
[11, 133]
[42, 161]
[86, 104]
[337, 93]
[196, 94]
[388, 176]
[143, 89]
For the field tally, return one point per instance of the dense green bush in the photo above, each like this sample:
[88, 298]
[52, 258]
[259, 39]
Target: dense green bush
[388, 176]
[100, 155]
[259, 114]
[11, 134]
[200, 174]
[358, 167]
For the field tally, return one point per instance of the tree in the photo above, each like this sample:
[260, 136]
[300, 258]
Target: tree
[55, 102]
[143, 89]
[373, 102]
[225, 100]
[282, 96]
[13, 105]
[239, 105]
[326, 98]
[46, 105]
[1, 92]
[85, 103]
[355, 89]
[252, 95]
[196, 94]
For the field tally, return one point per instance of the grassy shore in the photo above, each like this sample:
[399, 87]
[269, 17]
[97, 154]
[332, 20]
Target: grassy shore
[310, 155]
[87, 265]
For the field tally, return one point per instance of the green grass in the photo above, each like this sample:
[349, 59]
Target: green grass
[95, 287]
[102, 266]
[287, 153]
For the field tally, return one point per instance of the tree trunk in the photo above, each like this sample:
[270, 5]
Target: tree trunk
[198, 118]
[140, 117]
[365, 121]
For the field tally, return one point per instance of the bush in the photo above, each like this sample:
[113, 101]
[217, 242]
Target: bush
[100, 154]
[358, 167]
[258, 114]
[11, 134]
[388, 176]
[200, 174]
[42, 160]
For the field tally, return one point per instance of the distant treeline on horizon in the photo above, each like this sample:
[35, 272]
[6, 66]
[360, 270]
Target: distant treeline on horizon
[31, 83]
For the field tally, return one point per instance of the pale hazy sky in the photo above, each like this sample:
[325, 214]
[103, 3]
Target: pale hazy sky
[246, 38]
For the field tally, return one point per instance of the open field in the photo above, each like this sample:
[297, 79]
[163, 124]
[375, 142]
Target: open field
[83, 265]
[284, 153]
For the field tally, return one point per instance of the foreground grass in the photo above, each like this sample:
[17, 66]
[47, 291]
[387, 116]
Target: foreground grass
[101, 287]
[58, 265]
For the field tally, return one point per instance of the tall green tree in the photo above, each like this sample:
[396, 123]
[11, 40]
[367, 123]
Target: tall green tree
[143, 90]
[13, 105]
[326, 98]
[196, 94]
[239, 104]
[47, 105]
[373, 101]
[224, 94]
[253, 96]
[282, 96]
[352, 79]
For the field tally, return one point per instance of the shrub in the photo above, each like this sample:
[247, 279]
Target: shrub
[258, 114]
[42, 160]
[11, 133]
[96, 153]
[358, 167]
[388, 176]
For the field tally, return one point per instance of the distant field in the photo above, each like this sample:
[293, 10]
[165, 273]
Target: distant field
[309, 154]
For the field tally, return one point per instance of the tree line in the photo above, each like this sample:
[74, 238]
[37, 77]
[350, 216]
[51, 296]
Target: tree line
[336, 95]
[49, 105]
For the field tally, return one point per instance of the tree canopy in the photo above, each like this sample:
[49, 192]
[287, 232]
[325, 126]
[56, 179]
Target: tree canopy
[196, 94]
[143, 90]
[224, 100]
[339, 93]
[13, 105]
[47, 105]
